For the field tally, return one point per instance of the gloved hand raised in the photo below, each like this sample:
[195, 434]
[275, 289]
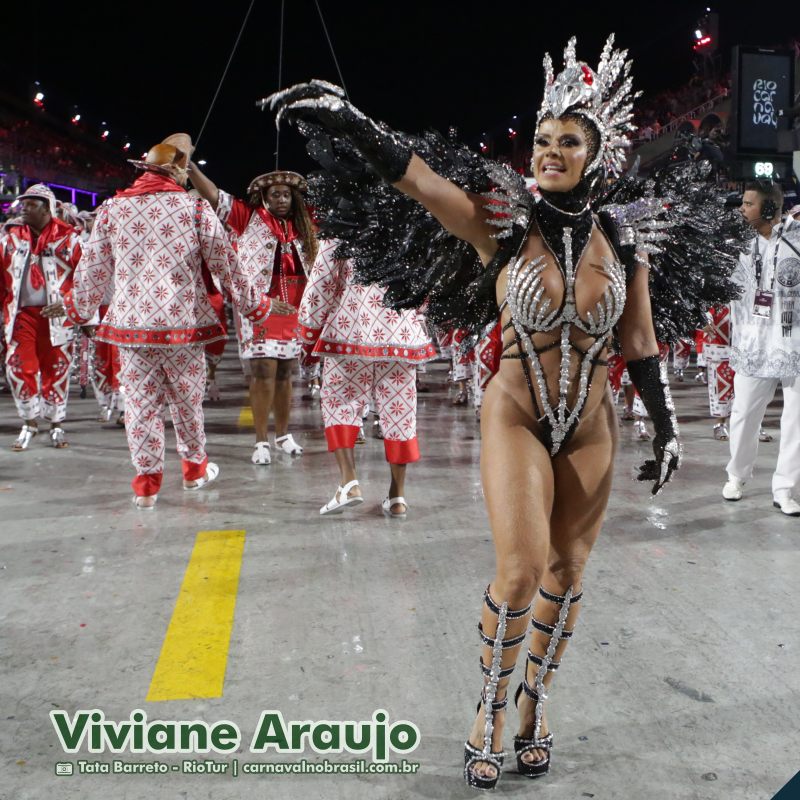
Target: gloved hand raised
[325, 103]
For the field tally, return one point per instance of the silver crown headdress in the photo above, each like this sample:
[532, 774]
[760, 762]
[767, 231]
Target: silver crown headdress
[603, 96]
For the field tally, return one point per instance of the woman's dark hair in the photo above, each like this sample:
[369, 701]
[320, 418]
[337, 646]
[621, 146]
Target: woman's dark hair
[299, 216]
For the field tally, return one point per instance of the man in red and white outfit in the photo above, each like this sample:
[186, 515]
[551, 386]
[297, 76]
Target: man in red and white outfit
[103, 357]
[367, 349]
[153, 241]
[37, 261]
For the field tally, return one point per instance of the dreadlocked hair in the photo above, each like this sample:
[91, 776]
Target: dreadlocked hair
[305, 226]
[299, 216]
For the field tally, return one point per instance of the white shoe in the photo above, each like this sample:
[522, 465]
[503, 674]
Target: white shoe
[340, 500]
[105, 414]
[22, 442]
[145, 503]
[721, 432]
[640, 429]
[212, 392]
[763, 436]
[58, 438]
[288, 445]
[732, 490]
[387, 504]
[212, 471]
[787, 504]
[361, 438]
[261, 454]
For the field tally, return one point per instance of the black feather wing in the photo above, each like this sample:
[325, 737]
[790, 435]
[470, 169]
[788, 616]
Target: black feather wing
[395, 242]
[679, 218]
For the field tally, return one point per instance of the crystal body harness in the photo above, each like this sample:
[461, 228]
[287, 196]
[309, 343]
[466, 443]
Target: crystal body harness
[532, 313]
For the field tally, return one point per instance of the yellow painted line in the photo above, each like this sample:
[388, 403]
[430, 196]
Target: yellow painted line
[246, 416]
[195, 650]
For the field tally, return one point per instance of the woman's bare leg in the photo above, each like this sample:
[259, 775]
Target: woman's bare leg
[283, 395]
[346, 461]
[397, 486]
[517, 477]
[262, 392]
[582, 478]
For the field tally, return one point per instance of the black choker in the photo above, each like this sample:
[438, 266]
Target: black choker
[558, 210]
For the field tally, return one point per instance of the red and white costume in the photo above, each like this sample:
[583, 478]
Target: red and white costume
[699, 341]
[681, 351]
[450, 347]
[717, 350]
[39, 350]
[271, 251]
[487, 361]
[152, 242]
[106, 366]
[618, 377]
[368, 349]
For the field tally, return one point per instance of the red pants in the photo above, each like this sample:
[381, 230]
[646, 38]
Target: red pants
[37, 370]
[152, 377]
[347, 386]
[105, 375]
[105, 372]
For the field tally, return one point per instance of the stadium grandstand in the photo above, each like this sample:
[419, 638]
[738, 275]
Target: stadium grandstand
[36, 146]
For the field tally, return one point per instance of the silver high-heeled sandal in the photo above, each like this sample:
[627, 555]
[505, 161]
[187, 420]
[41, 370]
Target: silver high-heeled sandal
[493, 675]
[537, 692]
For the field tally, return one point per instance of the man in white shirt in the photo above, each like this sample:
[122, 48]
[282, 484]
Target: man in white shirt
[765, 346]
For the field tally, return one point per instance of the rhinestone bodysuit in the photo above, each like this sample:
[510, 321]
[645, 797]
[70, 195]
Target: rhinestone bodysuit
[532, 312]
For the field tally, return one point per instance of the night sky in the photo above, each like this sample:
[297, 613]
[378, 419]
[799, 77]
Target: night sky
[148, 70]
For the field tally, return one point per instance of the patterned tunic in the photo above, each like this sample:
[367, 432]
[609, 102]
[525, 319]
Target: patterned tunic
[340, 318]
[259, 251]
[152, 248]
[58, 250]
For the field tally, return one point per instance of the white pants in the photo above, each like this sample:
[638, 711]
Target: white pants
[751, 397]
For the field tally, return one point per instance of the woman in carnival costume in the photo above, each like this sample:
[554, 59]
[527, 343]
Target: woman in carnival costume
[565, 274]
[277, 244]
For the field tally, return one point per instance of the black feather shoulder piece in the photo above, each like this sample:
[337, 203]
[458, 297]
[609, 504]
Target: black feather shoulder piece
[677, 218]
[395, 242]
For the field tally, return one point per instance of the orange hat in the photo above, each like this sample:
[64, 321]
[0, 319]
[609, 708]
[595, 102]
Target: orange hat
[169, 157]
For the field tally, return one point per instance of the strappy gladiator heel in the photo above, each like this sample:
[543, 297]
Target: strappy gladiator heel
[538, 692]
[493, 675]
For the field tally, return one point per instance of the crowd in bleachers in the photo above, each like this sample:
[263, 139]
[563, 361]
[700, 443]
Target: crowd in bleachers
[652, 115]
[28, 147]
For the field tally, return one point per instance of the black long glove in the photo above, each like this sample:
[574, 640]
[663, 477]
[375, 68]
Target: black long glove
[645, 373]
[325, 103]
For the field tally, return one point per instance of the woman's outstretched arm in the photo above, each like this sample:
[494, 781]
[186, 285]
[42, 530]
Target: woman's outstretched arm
[461, 213]
[391, 156]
